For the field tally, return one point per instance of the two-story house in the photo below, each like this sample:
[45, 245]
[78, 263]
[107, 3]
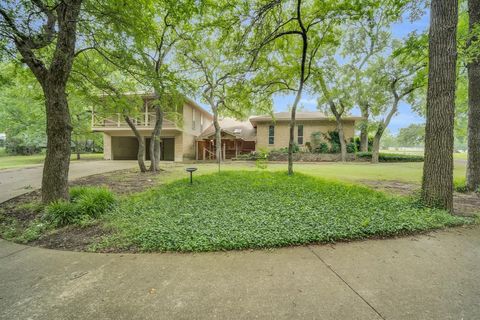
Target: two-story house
[178, 138]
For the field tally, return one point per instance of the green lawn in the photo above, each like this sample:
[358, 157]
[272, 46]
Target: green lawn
[349, 172]
[7, 161]
[260, 209]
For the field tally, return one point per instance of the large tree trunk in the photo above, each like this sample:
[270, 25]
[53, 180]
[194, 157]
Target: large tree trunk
[376, 144]
[141, 145]
[473, 164]
[437, 182]
[364, 129]
[155, 140]
[341, 137]
[54, 81]
[218, 137]
[59, 130]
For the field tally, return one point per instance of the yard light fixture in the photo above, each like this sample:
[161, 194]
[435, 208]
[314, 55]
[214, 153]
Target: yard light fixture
[191, 170]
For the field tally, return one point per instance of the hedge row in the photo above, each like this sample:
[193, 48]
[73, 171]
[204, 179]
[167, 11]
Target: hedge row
[390, 157]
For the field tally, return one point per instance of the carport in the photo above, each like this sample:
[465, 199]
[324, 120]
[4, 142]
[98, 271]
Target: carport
[126, 148]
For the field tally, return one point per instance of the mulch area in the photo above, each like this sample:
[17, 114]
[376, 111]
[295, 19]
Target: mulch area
[464, 204]
[74, 238]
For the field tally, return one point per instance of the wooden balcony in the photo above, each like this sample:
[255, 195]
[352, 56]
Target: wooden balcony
[114, 121]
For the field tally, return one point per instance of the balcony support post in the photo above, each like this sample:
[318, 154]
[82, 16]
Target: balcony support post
[146, 114]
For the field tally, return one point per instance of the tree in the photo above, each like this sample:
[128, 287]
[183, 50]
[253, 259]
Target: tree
[294, 32]
[220, 70]
[437, 182]
[473, 66]
[367, 39]
[402, 75]
[32, 27]
[339, 100]
[21, 110]
[412, 136]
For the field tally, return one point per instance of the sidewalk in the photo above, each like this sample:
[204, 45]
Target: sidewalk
[434, 276]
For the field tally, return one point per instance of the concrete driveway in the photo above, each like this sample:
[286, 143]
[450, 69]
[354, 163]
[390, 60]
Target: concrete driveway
[434, 276]
[14, 182]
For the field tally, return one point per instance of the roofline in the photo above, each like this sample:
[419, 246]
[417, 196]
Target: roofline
[257, 119]
[196, 105]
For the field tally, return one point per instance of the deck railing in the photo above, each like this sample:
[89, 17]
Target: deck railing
[116, 120]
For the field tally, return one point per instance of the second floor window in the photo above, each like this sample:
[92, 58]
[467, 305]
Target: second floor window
[193, 119]
[201, 121]
[300, 134]
[271, 134]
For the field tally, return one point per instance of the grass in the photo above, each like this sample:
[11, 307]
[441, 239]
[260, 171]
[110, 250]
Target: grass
[7, 161]
[347, 172]
[261, 209]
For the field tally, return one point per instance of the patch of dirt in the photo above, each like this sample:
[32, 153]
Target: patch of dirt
[72, 238]
[20, 212]
[464, 204]
[392, 186]
[19, 208]
[121, 182]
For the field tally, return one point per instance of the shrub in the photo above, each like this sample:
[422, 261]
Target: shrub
[390, 157]
[321, 148]
[61, 213]
[351, 147]
[14, 146]
[93, 202]
[85, 203]
[296, 149]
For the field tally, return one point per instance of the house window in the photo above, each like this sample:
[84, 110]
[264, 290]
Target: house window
[271, 134]
[201, 122]
[193, 119]
[300, 134]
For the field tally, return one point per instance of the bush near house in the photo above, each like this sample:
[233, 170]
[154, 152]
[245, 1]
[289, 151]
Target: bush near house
[390, 157]
[330, 143]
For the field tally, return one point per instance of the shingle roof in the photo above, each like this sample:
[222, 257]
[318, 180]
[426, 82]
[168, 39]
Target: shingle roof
[302, 115]
[241, 129]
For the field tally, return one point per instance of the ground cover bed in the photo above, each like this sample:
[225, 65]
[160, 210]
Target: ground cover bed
[231, 210]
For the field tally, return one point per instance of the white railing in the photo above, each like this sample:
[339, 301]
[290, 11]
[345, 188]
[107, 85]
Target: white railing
[116, 120]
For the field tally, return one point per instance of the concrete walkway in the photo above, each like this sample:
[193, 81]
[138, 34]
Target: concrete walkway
[14, 182]
[434, 276]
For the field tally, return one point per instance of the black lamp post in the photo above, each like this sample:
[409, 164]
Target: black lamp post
[191, 170]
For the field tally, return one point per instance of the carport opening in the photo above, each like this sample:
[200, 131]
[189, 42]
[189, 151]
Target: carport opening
[167, 149]
[126, 148]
